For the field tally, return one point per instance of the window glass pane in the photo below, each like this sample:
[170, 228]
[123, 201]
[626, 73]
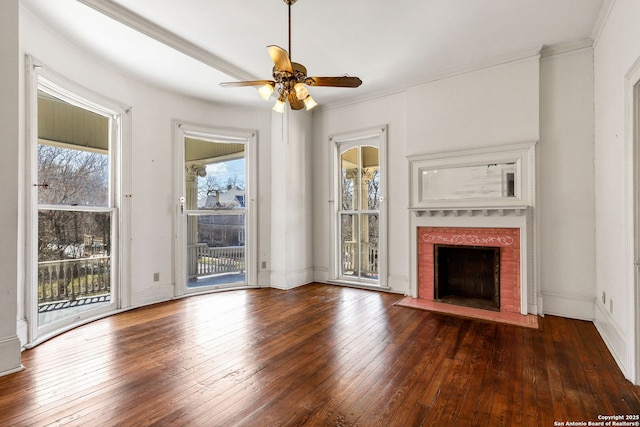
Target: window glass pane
[73, 154]
[72, 234]
[223, 186]
[349, 247]
[349, 179]
[370, 176]
[215, 246]
[74, 255]
[72, 177]
[369, 235]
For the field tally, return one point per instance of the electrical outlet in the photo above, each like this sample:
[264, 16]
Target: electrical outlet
[156, 277]
[604, 297]
[611, 306]
[264, 264]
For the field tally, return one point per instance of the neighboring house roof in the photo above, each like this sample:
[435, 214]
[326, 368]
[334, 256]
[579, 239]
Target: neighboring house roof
[232, 198]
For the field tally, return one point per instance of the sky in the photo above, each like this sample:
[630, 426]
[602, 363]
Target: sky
[224, 170]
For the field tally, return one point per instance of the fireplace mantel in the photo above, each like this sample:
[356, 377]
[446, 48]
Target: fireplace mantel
[471, 211]
[515, 210]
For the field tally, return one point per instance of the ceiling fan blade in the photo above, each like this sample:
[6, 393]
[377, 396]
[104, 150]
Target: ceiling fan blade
[248, 83]
[280, 58]
[342, 81]
[294, 102]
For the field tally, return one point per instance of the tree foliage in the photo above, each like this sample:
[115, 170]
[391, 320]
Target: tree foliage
[72, 177]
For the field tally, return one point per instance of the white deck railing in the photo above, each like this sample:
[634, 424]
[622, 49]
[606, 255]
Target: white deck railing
[366, 263]
[73, 279]
[203, 260]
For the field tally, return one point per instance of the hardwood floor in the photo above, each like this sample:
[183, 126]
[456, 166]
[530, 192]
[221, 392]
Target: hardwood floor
[315, 355]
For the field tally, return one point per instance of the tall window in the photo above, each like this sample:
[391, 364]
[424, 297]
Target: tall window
[359, 224]
[75, 210]
[215, 219]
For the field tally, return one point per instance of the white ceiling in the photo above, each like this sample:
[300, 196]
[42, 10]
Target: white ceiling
[192, 45]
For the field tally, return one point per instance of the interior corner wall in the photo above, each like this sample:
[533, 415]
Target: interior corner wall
[291, 246]
[566, 215]
[616, 50]
[10, 115]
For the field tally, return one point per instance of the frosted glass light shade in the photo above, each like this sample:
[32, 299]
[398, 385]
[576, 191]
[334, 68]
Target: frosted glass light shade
[309, 103]
[279, 106]
[265, 91]
[301, 91]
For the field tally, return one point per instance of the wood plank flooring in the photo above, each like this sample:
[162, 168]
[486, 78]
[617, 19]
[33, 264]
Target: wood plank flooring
[317, 355]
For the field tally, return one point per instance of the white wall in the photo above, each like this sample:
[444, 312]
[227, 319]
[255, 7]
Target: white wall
[153, 110]
[10, 114]
[616, 50]
[493, 106]
[566, 185]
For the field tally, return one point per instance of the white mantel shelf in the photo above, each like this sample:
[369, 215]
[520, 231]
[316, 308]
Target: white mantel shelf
[470, 211]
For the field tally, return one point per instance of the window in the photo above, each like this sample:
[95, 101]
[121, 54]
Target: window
[359, 226]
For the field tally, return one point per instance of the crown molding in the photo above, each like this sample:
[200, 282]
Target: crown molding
[568, 47]
[601, 22]
[156, 32]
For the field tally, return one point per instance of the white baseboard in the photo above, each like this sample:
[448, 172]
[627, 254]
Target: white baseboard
[398, 284]
[152, 295]
[614, 339]
[10, 349]
[570, 306]
[22, 329]
[291, 279]
[321, 275]
[264, 278]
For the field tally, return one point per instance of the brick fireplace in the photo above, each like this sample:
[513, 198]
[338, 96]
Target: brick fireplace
[507, 239]
[507, 231]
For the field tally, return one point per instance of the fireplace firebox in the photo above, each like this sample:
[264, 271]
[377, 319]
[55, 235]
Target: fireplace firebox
[467, 276]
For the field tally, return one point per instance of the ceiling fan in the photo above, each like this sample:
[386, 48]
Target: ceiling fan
[290, 79]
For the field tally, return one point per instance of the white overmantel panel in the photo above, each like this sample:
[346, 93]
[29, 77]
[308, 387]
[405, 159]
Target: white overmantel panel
[520, 157]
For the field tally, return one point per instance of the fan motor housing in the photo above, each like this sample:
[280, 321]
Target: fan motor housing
[299, 73]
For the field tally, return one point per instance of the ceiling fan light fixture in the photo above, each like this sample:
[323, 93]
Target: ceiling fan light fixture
[265, 91]
[309, 103]
[290, 79]
[301, 91]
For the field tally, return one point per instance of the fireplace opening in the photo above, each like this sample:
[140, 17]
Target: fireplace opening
[467, 276]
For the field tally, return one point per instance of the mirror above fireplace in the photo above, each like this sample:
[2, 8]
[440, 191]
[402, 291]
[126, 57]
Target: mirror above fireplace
[490, 181]
[493, 177]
